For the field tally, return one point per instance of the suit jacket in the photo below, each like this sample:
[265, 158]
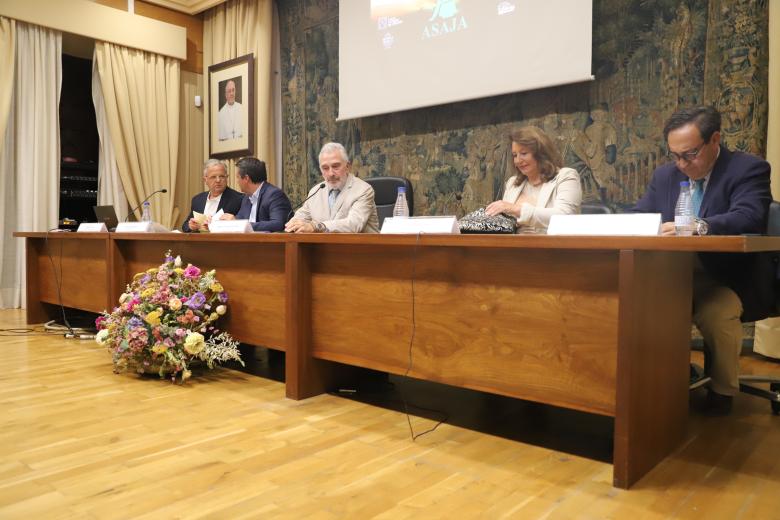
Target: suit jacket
[736, 201]
[273, 208]
[353, 212]
[229, 203]
[561, 195]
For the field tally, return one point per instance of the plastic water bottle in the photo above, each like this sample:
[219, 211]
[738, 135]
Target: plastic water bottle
[146, 216]
[401, 208]
[683, 211]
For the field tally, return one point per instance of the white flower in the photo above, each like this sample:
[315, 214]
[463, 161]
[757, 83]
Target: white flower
[101, 337]
[124, 297]
[194, 343]
[221, 310]
[177, 262]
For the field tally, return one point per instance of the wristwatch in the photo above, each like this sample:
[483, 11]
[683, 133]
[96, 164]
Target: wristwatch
[320, 227]
[702, 228]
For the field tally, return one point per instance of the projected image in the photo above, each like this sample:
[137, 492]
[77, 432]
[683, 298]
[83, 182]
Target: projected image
[405, 54]
[405, 20]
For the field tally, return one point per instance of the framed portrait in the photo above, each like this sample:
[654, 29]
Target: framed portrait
[232, 107]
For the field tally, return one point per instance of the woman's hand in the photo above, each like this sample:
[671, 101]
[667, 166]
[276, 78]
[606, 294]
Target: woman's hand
[500, 206]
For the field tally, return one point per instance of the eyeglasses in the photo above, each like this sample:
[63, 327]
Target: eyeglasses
[685, 156]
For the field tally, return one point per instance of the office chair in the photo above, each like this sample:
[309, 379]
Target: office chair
[699, 375]
[386, 192]
[595, 208]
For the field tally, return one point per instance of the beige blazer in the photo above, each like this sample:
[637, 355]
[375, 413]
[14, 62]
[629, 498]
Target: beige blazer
[353, 212]
[561, 195]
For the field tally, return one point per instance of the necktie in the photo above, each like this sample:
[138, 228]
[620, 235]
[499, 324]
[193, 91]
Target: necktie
[697, 195]
[246, 208]
[332, 197]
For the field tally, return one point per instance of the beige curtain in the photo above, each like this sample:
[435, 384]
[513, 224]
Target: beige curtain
[30, 165]
[767, 335]
[7, 52]
[110, 192]
[233, 29]
[141, 96]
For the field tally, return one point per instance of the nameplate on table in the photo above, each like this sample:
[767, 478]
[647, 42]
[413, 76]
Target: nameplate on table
[230, 226]
[413, 225]
[140, 227]
[92, 227]
[618, 224]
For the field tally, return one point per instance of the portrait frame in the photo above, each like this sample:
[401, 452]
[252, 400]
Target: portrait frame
[232, 123]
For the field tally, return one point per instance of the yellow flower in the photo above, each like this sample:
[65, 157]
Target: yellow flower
[178, 270]
[216, 287]
[213, 316]
[148, 293]
[153, 318]
[174, 304]
[159, 348]
[194, 343]
[185, 374]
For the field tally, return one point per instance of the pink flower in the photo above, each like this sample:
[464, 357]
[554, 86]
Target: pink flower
[191, 271]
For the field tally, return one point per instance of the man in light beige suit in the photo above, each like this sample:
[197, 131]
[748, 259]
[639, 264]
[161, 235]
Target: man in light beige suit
[341, 204]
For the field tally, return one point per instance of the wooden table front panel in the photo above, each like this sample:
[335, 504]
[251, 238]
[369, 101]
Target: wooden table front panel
[534, 324]
[252, 273]
[80, 267]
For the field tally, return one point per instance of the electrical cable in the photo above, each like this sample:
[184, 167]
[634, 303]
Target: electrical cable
[58, 280]
[405, 376]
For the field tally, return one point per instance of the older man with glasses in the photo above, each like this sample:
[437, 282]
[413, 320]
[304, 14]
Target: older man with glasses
[731, 196]
[217, 197]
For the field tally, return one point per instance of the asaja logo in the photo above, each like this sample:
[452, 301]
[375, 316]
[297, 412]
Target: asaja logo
[444, 20]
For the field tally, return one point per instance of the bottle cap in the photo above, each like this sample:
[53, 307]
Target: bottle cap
[401, 189]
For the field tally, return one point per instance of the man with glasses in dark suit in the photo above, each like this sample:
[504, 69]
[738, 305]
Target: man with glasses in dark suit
[731, 196]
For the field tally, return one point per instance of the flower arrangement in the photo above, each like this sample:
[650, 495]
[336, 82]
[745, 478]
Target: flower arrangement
[166, 320]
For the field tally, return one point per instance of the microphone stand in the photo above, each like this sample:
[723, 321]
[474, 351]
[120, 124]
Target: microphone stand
[132, 211]
[296, 208]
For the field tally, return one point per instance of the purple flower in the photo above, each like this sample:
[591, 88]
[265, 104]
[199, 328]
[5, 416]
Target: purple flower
[223, 297]
[197, 300]
[191, 271]
[145, 279]
[135, 321]
[168, 259]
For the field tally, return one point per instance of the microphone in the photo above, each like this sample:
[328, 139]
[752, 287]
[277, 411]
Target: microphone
[132, 211]
[296, 208]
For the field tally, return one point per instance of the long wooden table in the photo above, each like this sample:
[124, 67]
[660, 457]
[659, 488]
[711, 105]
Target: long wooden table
[597, 324]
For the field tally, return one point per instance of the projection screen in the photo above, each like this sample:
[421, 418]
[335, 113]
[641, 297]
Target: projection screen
[403, 54]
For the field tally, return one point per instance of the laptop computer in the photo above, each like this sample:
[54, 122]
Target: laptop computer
[107, 215]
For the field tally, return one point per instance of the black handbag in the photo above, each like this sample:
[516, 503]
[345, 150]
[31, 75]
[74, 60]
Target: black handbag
[479, 222]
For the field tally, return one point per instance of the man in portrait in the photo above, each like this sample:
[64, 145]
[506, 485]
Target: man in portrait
[230, 122]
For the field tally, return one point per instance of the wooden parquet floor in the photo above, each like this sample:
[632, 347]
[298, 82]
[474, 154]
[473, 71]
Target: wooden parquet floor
[78, 441]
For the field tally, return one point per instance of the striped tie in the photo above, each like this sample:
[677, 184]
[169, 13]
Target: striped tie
[697, 195]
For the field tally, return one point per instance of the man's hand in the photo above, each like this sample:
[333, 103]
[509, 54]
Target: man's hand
[667, 228]
[194, 226]
[299, 226]
[227, 216]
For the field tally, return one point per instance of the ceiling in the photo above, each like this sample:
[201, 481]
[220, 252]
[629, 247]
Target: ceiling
[187, 6]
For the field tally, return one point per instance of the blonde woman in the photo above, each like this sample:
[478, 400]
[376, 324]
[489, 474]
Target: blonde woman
[542, 187]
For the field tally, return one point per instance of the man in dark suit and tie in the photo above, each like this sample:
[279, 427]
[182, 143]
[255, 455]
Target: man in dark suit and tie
[218, 197]
[264, 205]
[731, 196]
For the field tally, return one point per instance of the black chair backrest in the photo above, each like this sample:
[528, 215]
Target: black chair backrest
[595, 208]
[386, 192]
[773, 228]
